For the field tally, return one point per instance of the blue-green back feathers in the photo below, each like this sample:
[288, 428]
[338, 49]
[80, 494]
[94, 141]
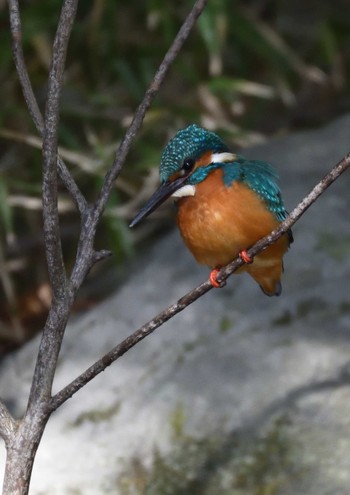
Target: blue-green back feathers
[257, 175]
[261, 178]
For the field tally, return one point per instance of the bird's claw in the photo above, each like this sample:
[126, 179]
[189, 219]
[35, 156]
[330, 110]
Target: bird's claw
[213, 279]
[245, 257]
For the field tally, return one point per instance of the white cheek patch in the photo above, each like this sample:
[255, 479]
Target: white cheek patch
[187, 190]
[223, 157]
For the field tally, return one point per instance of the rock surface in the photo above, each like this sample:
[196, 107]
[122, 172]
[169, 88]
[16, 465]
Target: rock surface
[256, 388]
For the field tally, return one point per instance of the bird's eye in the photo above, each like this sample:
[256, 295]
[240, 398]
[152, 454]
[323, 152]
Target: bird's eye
[188, 164]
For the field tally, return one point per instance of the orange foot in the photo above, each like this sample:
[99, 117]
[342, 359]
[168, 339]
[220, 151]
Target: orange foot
[213, 279]
[245, 257]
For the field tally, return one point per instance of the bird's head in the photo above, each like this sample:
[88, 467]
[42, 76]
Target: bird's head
[187, 160]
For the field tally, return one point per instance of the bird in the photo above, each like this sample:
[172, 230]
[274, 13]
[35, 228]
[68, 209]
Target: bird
[225, 203]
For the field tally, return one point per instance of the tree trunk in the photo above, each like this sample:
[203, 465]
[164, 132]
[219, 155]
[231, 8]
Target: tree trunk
[20, 454]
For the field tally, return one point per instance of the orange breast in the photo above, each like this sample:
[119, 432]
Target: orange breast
[219, 222]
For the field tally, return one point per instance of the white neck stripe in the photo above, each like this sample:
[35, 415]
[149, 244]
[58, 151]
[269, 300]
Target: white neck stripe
[223, 157]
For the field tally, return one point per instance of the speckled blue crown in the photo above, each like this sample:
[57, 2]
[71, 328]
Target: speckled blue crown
[190, 142]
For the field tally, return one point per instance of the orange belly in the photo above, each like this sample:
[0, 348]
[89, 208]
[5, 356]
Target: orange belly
[219, 222]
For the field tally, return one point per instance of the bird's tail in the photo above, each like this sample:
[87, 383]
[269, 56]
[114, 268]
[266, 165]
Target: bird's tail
[268, 277]
[274, 289]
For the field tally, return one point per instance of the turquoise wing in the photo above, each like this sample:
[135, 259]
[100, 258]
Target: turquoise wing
[261, 178]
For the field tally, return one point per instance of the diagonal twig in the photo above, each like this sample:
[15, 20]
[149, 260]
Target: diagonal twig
[85, 256]
[118, 351]
[32, 104]
[150, 94]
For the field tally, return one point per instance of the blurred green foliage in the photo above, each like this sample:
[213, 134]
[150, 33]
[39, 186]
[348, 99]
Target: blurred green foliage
[250, 69]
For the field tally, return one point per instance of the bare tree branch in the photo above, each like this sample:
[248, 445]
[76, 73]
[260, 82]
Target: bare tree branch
[139, 115]
[62, 295]
[85, 258]
[52, 237]
[32, 104]
[197, 292]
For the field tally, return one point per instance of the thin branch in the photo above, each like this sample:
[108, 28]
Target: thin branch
[7, 423]
[101, 255]
[197, 292]
[52, 237]
[139, 115]
[32, 104]
[84, 257]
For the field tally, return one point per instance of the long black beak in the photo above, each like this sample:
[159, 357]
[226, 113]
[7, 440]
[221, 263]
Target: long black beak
[157, 198]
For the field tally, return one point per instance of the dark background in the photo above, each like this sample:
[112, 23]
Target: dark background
[250, 70]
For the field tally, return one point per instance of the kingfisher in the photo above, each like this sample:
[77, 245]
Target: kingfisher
[225, 203]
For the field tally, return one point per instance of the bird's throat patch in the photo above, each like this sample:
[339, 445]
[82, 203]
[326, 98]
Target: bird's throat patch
[187, 190]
